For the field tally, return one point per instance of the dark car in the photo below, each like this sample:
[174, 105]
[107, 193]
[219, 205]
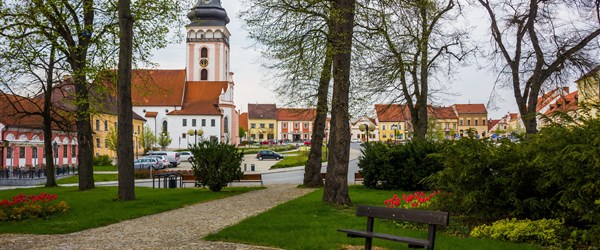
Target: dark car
[268, 154]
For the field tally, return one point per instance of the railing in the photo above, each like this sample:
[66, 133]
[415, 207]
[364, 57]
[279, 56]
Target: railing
[35, 172]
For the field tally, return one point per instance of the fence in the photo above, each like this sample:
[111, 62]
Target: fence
[36, 172]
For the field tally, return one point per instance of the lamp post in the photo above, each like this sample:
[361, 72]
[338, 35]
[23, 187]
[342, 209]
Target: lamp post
[195, 136]
[55, 153]
[135, 144]
[2, 147]
[395, 128]
[367, 132]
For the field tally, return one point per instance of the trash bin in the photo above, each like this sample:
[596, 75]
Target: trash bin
[172, 181]
[252, 167]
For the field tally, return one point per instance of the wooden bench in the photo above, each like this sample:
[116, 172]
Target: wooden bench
[358, 177]
[251, 178]
[188, 178]
[432, 218]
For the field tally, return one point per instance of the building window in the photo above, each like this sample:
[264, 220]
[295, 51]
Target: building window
[306, 125]
[271, 125]
[476, 122]
[400, 136]
[9, 153]
[468, 122]
[226, 125]
[193, 122]
[284, 136]
[454, 126]
[204, 52]
[184, 122]
[65, 149]
[461, 122]
[284, 125]
[399, 126]
[21, 152]
[183, 135]
[105, 143]
[164, 126]
[204, 74]
[383, 128]
[384, 135]
[482, 121]
[252, 125]
[270, 136]
[138, 129]
[105, 125]
[296, 125]
[97, 125]
[212, 122]
[305, 136]
[261, 136]
[34, 152]
[203, 122]
[262, 125]
[98, 142]
[73, 151]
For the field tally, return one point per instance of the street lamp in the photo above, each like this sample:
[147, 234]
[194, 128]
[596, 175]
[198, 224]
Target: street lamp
[135, 144]
[55, 147]
[395, 128]
[196, 136]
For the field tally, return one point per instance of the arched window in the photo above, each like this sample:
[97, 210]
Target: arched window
[226, 124]
[164, 126]
[204, 74]
[204, 52]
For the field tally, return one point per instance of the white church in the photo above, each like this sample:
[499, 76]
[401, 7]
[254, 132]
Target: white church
[197, 100]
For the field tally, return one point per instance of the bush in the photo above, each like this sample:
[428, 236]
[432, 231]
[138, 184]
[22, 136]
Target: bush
[102, 160]
[401, 166]
[543, 232]
[216, 164]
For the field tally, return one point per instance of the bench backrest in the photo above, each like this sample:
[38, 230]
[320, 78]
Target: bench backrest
[358, 175]
[410, 215]
[252, 177]
[187, 177]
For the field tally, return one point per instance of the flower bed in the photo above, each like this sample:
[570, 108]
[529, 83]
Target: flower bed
[415, 200]
[23, 207]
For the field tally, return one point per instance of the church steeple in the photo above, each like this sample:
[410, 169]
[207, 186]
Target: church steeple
[208, 42]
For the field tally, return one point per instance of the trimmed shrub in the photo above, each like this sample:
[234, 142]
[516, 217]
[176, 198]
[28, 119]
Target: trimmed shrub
[216, 164]
[543, 232]
[401, 166]
[102, 160]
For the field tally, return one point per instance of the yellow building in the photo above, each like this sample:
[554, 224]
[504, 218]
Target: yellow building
[446, 122]
[262, 122]
[471, 116]
[392, 122]
[588, 91]
[103, 124]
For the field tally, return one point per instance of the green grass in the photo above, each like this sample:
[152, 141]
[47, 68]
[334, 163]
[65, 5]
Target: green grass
[296, 160]
[105, 168]
[97, 178]
[98, 207]
[306, 223]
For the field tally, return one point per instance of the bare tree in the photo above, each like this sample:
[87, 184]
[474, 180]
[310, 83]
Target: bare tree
[406, 44]
[539, 42]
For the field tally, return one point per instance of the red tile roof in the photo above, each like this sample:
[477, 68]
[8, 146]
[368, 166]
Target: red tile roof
[492, 123]
[25, 112]
[547, 98]
[441, 112]
[470, 108]
[262, 111]
[565, 103]
[201, 98]
[157, 87]
[244, 121]
[151, 114]
[296, 114]
[392, 112]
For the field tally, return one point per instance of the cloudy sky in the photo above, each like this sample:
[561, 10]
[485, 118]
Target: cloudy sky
[473, 84]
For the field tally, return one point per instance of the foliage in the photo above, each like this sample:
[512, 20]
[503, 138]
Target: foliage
[164, 139]
[242, 132]
[401, 166]
[112, 139]
[148, 139]
[23, 207]
[543, 232]
[103, 160]
[216, 164]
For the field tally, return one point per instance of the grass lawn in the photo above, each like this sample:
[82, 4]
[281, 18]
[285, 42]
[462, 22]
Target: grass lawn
[97, 178]
[105, 168]
[98, 207]
[306, 223]
[296, 160]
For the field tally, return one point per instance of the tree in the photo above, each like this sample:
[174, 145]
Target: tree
[125, 149]
[164, 139]
[84, 32]
[112, 139]
[534, 45]
[148, 139]
[295, 35]
[216, 164]
[408, 43]
[242, 132]
[342, 25]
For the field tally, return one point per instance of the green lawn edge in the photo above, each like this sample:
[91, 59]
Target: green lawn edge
[99, 207]
[307, 223]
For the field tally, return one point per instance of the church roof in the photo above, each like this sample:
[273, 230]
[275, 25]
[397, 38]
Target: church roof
[201, 98]
[208, 13]
[157, 87]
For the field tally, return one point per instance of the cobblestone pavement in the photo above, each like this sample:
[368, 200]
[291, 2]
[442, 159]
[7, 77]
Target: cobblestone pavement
[177, 229]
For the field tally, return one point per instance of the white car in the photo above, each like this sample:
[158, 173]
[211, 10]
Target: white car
[185, 155]
[161, 158]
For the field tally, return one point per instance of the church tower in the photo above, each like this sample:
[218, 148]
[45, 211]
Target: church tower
[207, 55]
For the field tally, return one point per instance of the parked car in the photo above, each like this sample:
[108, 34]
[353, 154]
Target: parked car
[307, 143]
[161, 158]
[185, 156]
[147, 163]
[268, 154]
[355, 140]
[172, 157]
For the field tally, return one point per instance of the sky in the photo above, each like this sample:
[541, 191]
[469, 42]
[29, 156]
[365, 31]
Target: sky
[472, 84]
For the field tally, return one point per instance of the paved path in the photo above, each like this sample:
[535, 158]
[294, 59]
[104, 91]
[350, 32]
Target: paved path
[159, 231]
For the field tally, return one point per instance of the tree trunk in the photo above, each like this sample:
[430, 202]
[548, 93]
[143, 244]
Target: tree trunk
[312, 170]
[125, 130]
[419, 115]
[85, 155]
[336, 184]
[50, 178]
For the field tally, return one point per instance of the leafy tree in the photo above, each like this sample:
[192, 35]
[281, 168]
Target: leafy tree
[112, 139]
[148, 139]
[216, 164]
[164, 139]
[242, 132]
[533, 45]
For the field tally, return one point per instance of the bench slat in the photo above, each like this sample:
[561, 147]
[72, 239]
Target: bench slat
[365, 234]
[411, 215]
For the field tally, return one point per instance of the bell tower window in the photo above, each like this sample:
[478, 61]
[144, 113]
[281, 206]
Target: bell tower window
[204, 53]
[204, 74]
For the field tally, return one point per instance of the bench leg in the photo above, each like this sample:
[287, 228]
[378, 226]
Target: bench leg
[431, 237]
[369, 241]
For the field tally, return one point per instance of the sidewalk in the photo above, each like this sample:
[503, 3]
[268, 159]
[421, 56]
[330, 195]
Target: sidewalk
[176, 229]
